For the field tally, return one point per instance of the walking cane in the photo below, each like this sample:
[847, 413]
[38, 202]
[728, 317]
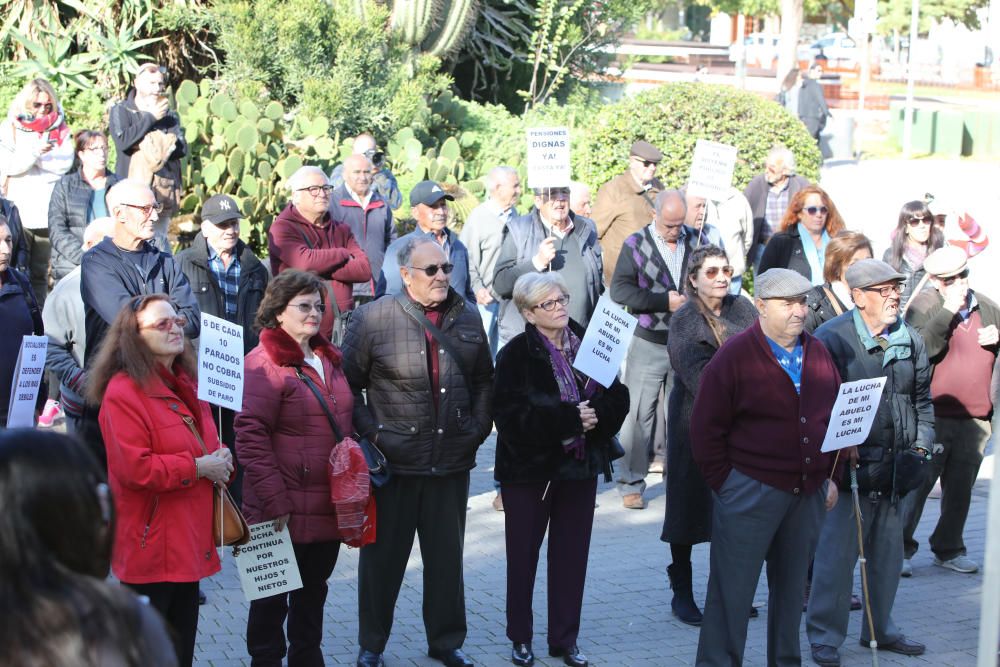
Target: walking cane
[864, 567]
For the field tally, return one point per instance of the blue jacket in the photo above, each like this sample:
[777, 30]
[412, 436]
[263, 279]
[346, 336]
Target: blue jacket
[390, 282]
[372, 228]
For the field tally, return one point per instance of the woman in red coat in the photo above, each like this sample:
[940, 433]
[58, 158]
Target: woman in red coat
[284, 439]
[163, 460]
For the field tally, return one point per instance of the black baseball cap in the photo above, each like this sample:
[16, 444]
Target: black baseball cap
[428, 193]
[220, 208]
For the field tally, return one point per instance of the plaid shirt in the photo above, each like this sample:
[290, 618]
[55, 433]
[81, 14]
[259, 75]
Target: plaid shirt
[777, 204]
[228, 278]
[673, 258]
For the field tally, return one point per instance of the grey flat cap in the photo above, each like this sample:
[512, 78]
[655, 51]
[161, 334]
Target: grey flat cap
[781, 284]
[646, 151]
[868, 272]
[946, 262]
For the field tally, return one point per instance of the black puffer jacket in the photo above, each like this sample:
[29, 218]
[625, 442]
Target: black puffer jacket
[532, 421]
[69, 209]
[820, 308]
[385, 353]
[905, 415]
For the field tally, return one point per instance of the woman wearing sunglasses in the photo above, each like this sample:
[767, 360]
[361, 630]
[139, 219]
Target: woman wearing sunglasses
[800, 243]
[554, 437]
[164, 459]
[697, 330]
[284, 437]
[914, 238]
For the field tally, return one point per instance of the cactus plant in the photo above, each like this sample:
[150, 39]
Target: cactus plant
[433, 27]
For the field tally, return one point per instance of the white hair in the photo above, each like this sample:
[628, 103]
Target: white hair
[98, 228]
[296, 180]
[496, 175]
[577, 189]
[781, 155]
[120, 191]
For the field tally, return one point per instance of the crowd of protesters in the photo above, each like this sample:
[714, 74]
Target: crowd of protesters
[420, 344]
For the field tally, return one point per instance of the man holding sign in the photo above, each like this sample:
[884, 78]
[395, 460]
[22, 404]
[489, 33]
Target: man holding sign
[869, 342]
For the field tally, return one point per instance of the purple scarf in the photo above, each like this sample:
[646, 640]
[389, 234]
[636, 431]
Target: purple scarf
[569, 382]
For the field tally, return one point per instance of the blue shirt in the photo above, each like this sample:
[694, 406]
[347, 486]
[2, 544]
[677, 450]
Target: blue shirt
[98, 206]
[790, 362]
[228, 278]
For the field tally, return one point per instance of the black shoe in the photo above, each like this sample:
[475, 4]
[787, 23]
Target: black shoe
[201, 597]
[825, 656]
[753, 612]
[902, 646]
[855, 603]
[682, 604]
[370, 659]
[451, 657]
[521, 654]
[571, 656]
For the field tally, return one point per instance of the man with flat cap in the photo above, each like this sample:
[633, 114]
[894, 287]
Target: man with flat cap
[625, 203]
[960, 328]
[429, 204]
[872, 341]
[228, 281]
[756, 429]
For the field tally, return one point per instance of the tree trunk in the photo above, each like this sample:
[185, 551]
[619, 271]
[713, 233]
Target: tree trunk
[791, 26]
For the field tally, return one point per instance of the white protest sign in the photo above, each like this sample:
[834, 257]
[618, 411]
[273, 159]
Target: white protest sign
[548, 157]
[712, 170]
[606, 342]
[27, 382]
[220, 363]
[853, 413]
[267, 563]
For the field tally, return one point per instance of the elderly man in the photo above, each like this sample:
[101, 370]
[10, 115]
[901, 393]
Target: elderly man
[579, 199]
[625, 203]
[756, 429]
[731, 216]
[144, 128]
[305, 237]
[482, 234]
[649, 280]
[549, 238]
[420, 368]
[367, 214]
[429, 203]
[769, 194]
[64, 319]
[871, 341]
[960, 328]
[383, 182]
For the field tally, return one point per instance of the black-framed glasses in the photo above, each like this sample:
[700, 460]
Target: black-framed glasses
[886, 290]
[916, 221]
[306, 308]
[951, 279]
[813, 210]
[431, 270]
[713, 271]
[317, 190]
[166, 324]
[147, 209]
[550, 305]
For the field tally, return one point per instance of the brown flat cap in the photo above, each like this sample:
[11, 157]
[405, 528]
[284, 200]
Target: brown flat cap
[646, 151]
[946, 262]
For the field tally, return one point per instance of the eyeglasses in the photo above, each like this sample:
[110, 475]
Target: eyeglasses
[813, 210]
[166, 324]
[886, 290]
[431, 270]
[147, 209]
[47, 106]
[951, 279]
[101, 148]
[550, 305]
[916, 221]
[713, 271]
[317, 190]
[645, 163]
[306, 308]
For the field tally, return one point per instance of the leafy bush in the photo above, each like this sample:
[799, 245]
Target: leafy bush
[674, 116]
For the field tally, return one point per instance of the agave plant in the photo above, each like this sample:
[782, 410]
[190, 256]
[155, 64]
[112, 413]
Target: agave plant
[120, 56]
[51, 60]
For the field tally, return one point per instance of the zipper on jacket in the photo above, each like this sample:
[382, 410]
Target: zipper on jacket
[149, 522]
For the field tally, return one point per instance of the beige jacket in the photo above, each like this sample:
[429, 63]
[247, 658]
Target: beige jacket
[622, 209]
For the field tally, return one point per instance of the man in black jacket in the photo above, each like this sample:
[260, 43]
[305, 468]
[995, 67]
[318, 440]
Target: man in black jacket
[426, 405]
[228, 281]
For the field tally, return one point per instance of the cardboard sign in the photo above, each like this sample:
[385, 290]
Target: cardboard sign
[267, 563]
[853, 413]
[27, 382]
[220, 363]
[606, 342]
[548, 157]
[712, 170]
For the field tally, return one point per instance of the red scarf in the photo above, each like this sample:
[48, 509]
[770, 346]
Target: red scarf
[51, 123]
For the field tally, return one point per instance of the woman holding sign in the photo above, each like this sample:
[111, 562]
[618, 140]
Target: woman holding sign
[284, 437]
[697, 331]
[555, 428]
[164, 458]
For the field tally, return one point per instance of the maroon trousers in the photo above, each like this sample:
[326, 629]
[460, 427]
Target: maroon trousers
[567, 510]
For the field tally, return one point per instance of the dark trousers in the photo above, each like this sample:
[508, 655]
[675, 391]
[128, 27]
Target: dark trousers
[89, 433]
[178, 605]
[433, 508]
[39, 252]
[303, 608]
[224, 418]
[568, 511]
[964, 441]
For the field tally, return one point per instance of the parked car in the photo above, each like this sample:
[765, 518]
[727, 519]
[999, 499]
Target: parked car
[761, 50]
[839, 49]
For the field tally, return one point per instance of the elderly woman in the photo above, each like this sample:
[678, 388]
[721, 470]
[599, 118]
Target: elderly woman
[294, 386]
[913, 239]
[800, 244]
[78, 199]
[164, 460]
[833, 297]
[35, 151]
[554, 437]
[697, 330]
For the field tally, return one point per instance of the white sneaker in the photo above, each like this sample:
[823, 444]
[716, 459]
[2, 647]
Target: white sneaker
[907, 570]
[962, 564]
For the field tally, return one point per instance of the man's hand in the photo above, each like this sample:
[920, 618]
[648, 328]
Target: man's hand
[546, 253]
[831, 495]
[989, 335]
[161, 108]
[483, 297]
[955, 296]
[676, 300]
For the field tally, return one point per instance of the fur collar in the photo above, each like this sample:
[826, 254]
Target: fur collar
[284, 351]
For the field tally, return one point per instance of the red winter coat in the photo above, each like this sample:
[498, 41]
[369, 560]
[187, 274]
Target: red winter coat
[329, 249]
[163, 530]
[283, 438]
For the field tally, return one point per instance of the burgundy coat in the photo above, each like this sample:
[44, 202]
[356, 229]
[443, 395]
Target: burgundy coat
[330, 250]
[284, 439]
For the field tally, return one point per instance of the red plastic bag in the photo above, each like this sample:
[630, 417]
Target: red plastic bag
[350, 493]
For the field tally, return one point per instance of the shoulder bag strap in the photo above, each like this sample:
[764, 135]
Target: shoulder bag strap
[329, 286]
[438, 335]
[834, 301]
[194, 430]
[319, 397]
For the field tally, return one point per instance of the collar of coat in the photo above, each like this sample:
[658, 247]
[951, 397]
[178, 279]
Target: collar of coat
[284, 351]
[536, 346]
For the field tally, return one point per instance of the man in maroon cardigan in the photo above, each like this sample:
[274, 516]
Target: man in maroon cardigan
[758, 423]
[304, 237]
